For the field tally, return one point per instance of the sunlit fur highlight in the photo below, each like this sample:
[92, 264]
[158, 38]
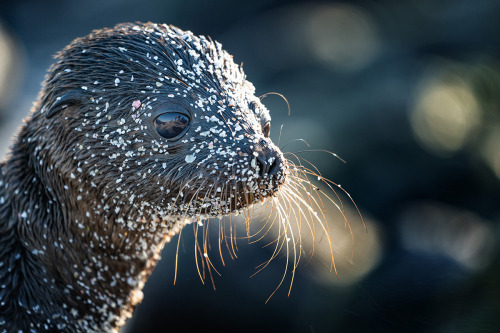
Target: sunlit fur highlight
[299, 196]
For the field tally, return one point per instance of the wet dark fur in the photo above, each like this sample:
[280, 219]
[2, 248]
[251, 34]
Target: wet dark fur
[75, 245]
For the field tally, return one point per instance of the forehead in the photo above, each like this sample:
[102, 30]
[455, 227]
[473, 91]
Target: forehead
[203, 70]
[150, 63]
[195, 62]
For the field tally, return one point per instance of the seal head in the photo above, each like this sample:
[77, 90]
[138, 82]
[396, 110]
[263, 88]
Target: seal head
[167, 109]
[138, 129]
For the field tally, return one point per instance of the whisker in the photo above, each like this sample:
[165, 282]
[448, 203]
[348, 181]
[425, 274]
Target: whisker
[177, 256]
[196, 250]
[315, 151]
[180, 232]
[292, 141]
[278, 94]
[279, 137]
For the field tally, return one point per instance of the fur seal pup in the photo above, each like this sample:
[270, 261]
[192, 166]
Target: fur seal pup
[137, 130]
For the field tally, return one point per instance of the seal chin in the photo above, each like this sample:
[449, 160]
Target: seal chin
[257, 185]
[218, 191]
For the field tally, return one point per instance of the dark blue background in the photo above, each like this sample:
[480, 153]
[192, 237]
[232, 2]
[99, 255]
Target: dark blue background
[357, 76]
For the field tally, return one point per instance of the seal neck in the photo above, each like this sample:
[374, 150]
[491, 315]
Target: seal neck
[31, 294]
[62, 267]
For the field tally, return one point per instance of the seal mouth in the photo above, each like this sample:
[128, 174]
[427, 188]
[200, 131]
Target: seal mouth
[219, 189]
[230, 198]
[219, 196]
[269, 176]
[244, 197]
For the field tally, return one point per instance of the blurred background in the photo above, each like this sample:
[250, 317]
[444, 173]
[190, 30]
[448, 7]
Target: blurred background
[406, 92]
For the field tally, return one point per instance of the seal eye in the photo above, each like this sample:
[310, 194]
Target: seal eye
[266, 130]
[171, 125]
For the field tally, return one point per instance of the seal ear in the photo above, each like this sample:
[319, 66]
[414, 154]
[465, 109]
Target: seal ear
[72, 97]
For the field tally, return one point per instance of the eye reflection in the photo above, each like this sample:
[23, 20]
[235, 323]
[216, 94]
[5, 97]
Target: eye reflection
[171, 125]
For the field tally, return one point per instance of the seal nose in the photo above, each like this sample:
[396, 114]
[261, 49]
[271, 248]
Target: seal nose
[268, 162]
[268, 166]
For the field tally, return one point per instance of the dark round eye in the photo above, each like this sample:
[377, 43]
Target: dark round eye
[266, 130]
[171, 125]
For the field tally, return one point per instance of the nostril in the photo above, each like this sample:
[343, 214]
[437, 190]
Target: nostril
[261, 164]
[273, 168]
[267, 167]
